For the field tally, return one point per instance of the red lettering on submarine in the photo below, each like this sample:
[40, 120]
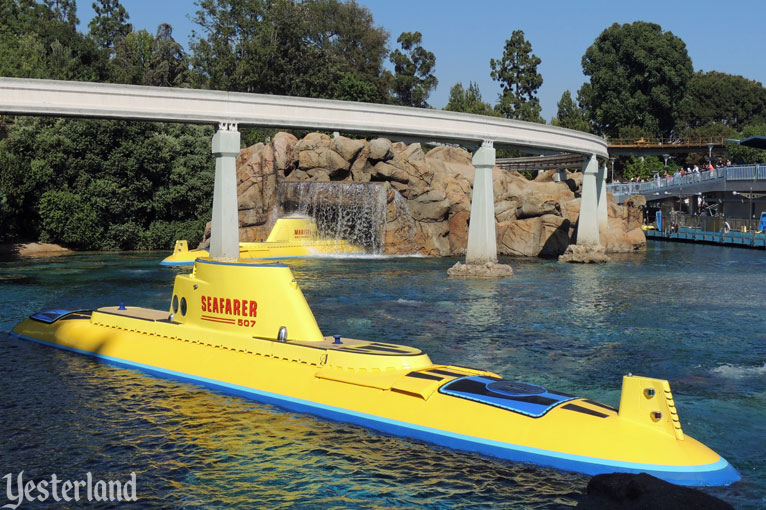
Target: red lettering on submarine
[230, 306]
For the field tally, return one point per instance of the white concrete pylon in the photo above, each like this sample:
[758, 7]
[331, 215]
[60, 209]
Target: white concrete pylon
[587, 225]
[482, 245]
[603, 216]
[224, 231]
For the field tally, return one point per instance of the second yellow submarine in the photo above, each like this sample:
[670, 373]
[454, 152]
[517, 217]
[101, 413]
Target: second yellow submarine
[292, 236]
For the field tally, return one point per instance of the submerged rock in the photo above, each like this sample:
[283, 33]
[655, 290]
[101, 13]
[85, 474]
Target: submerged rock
[486, 270]
[624, 491]
[584, 254]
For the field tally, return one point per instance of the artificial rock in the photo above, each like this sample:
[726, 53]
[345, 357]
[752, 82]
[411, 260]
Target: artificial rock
[428, 196]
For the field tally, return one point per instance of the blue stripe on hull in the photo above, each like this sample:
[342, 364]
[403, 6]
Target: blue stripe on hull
[716, 474]
[183, 263]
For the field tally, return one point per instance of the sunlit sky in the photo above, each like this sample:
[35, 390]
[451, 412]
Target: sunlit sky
[464, 35]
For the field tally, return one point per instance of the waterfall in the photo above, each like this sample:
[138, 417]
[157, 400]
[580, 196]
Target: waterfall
[355, 212]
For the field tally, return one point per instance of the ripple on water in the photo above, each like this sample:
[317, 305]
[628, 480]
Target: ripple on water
[692, 316]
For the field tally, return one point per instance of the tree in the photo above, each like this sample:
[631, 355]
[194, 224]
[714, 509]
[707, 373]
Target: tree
[315, 48]
[570, 115]
[40, 40]
[257, 46]
[355, 48]
[468, 100]
[110, 24]
[69, 219]
[643, 168]
[169, 66]
[519, 79]
[143, 59]
[132, 58]
[353, 88]
[413, 76]
[105, 184]
[730, 100]
[64, 10]
[638, 76]
[748, 155]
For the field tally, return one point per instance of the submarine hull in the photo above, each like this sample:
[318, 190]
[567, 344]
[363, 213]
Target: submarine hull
[391, 388]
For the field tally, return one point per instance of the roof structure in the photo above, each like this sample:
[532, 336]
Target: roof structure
[756, 142]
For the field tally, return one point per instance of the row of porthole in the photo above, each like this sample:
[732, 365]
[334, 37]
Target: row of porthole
[183, 305]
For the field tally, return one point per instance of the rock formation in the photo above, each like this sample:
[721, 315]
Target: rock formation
[428, 196]
[486, 270]
[624, 491]
[584, 254]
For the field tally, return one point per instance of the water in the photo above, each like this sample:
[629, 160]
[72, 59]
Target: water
[691, 314]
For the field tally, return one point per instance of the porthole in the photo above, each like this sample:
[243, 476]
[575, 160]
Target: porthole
[183, 306]
[175, 304]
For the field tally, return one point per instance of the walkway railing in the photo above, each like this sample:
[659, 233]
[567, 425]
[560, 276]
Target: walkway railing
[665, 142]
[729, 173]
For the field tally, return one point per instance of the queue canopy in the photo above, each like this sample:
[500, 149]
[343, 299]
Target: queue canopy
[756, 142]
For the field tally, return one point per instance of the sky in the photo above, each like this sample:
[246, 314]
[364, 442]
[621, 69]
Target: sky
[464, 35]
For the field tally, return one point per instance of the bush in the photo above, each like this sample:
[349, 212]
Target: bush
[162, 235]
[68, 219]
[105, 185]
[126, 236]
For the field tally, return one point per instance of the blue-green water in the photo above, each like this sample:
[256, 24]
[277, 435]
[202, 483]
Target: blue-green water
[695, 315]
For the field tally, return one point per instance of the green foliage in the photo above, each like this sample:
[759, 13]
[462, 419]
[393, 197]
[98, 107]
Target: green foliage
[413, 71]
[468, 100]
[41, 41]
[354, 49]
[708, 131]
[638, 76]
[68, 218]
[519, 80]
[110, 24]
[635, 132]
[104, 184]
[169, 66]
[748, 155]
[163, 234]
[143, 59]
[132, 58]
[23, 57]
[722, 98]
[643, 168]
[352, 88]
[229, 54]
[316, 48]
[63, 10]
[570, 115]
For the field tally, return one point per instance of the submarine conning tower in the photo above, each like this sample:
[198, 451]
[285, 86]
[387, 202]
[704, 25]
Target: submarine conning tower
[293, 229]
[243, 297]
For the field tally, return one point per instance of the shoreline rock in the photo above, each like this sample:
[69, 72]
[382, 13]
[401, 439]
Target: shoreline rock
[13, 251]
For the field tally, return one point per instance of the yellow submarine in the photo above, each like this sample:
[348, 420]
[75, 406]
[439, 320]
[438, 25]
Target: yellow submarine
[245, 328]
[292, 236]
